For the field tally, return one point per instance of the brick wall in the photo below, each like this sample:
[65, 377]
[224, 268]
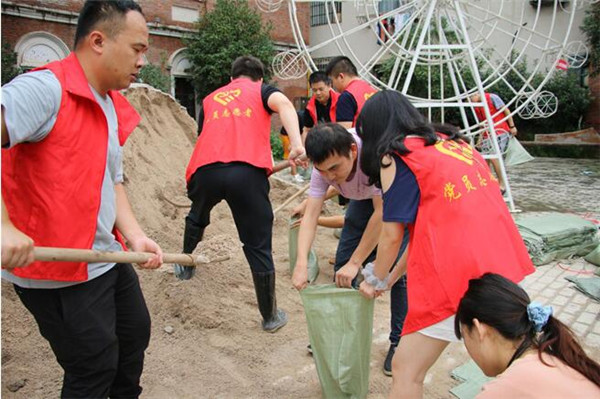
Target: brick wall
[161, 47]
[13, 28]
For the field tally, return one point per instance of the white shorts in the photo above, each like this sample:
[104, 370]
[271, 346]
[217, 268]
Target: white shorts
[444, 330]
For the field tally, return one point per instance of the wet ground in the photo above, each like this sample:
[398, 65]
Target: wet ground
[557, 184]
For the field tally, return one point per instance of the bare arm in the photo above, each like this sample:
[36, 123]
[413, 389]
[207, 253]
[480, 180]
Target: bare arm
[390, 238]
[332, 222]
[306, 235]
[511, 122]
[17, 248]
[279, 103]
[368, 242]
[127, 224]
[299, 210]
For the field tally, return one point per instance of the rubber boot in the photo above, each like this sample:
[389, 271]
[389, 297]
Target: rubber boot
[191, 237]
[273, 318]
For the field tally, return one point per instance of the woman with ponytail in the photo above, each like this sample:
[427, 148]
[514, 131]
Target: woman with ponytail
[435, 184]
[533, 354]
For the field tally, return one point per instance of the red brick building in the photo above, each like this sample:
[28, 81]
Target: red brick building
[41, 31]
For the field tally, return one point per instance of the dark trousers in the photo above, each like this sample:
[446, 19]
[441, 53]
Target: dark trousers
[356, 219]
[245, 188]
[98, 331]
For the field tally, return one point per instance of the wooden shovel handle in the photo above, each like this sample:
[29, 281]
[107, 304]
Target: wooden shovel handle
[50, 254]
[293, 197]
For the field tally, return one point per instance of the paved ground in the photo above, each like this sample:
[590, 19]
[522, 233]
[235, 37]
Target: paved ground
[544, 184]
[548, 286]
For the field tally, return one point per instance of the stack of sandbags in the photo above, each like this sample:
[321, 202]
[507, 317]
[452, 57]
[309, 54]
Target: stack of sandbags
[550, 235]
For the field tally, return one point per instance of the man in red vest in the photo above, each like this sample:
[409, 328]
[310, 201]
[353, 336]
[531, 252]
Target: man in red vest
[232, 161]
[503, 125]
[63, 127]
[354, 91]
[323, 104]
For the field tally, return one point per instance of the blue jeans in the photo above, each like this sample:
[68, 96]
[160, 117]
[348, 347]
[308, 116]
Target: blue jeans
[357, 217]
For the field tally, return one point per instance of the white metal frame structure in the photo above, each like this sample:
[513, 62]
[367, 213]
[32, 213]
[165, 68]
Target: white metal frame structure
[452, 36]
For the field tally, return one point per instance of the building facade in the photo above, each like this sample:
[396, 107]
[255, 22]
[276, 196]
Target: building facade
[41, 31]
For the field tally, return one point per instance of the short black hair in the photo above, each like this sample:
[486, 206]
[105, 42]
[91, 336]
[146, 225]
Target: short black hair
[341, 64]
[319, 76]
[249, 66]
[327, 139]
[111, 13]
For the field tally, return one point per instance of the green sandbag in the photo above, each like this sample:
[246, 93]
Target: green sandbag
[594, 256]
[313, 262]
[589, 286]
[340, 328]
[515, 153]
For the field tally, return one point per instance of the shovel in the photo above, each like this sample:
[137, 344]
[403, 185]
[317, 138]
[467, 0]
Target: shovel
[49, 254]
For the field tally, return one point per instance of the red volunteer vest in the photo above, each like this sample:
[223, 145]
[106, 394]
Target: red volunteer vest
[496, 117]
[311, 107]
[236, 128]
[52, 188]
[463, 229]
[361, 91]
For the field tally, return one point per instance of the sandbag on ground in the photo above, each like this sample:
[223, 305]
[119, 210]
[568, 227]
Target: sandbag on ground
[551, 235]
[340, 328]
[589, 286]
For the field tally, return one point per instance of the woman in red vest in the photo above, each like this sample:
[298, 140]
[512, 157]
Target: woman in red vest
[433, 182]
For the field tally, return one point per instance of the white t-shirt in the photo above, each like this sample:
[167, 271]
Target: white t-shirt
[30, 105]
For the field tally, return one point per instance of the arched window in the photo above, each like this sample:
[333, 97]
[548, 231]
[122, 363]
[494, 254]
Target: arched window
[181, 81]
[39, 48]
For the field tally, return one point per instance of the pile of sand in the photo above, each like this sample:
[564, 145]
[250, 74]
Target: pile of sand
[206, 337]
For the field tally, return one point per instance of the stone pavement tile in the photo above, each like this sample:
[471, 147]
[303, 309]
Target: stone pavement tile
[580, 299]
[566, 318]
[571, 308]
[587, 318]
[546, 280]
[534, 287]
[593, 307]
[580, 329]
[560, 300]
[593, 340]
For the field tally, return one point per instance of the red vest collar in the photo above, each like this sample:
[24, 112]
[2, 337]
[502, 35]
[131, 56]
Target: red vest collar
[75, 82]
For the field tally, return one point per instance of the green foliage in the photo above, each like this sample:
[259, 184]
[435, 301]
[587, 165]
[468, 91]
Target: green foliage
[9, 63]
[230, 30]
[591, 28]
[276, 145]
[153, 75]
[573, 102]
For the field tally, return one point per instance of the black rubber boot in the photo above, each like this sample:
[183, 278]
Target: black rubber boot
[191, 237]
[273, 318]
[387, 364]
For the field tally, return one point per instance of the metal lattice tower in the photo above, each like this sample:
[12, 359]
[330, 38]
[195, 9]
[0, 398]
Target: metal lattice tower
[448, 40]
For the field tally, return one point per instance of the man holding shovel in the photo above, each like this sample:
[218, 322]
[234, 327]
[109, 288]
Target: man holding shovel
[63, 126]
[232, 161]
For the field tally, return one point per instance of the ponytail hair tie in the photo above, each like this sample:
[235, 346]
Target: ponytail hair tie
[538, 315]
